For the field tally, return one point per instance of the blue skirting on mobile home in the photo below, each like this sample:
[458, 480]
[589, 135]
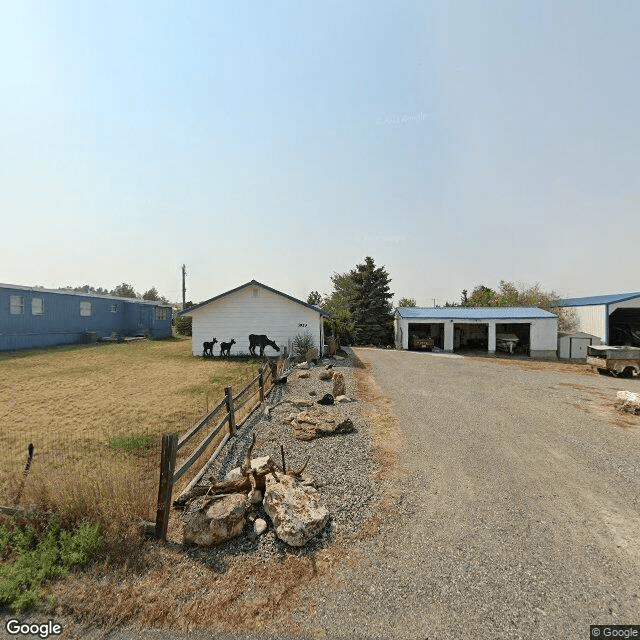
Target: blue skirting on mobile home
[34, 317]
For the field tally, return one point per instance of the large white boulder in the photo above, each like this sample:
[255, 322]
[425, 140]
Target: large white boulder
[223, 519]
[294, 509]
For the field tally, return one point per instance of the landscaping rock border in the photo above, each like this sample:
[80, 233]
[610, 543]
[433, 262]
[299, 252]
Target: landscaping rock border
[341, 465]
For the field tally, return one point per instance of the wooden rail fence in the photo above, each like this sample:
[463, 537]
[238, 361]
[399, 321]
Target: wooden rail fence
[172, 443]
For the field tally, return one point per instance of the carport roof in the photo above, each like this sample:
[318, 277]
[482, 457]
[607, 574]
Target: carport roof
[473, 313]
[594, 300]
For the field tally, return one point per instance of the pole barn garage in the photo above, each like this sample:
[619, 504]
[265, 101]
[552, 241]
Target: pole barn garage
[527, 330]
[614, 318]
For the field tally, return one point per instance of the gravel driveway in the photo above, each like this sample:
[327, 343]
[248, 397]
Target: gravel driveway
[519, 515]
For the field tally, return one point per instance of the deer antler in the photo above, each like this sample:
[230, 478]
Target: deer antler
[246, 465]
[298, 473]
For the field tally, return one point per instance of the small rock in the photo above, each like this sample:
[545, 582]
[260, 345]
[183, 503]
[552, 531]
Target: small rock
[304, 374]
[343, 398]
[339, 388]
[326, 399]
[260, 526]
[313, 392]
[254, 496]
[325, 375]
[302, 365]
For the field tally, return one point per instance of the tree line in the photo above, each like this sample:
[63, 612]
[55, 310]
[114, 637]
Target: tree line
[123, 290]
[362, 313]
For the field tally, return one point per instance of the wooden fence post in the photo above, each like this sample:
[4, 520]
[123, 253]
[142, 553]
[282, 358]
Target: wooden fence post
[167, 467]
[261, 385]
[230, 410]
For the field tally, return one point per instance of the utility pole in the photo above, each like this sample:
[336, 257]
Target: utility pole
[184, 286]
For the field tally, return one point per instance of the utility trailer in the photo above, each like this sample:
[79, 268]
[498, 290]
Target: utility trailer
[622, 362]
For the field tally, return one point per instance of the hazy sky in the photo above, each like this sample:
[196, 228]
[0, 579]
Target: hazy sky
[457, 143]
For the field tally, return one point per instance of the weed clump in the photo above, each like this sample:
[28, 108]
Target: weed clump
[301, 345]
[136, 441]
[33, 556]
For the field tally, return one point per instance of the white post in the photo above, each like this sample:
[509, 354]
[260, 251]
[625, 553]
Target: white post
[492, 336]
[448, 335]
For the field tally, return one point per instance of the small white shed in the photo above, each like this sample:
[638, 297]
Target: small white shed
[573, 346]
[253, 308]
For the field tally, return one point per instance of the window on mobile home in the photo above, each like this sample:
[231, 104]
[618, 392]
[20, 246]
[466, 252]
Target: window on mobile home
[16, 305]
[85, 308]
[37, 306]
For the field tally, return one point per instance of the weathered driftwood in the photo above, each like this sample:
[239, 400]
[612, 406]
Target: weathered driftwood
[250, 479]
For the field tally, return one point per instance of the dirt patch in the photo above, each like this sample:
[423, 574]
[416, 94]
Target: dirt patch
[604, 405]
[560, 366]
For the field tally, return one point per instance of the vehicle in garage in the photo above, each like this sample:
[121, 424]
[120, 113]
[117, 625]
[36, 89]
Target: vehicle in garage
[507, 342]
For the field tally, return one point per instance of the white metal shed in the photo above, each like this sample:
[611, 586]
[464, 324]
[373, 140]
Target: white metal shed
[573, 346]
[253, 308]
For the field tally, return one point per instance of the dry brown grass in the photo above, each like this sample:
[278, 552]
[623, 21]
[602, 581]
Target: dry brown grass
[71, 402]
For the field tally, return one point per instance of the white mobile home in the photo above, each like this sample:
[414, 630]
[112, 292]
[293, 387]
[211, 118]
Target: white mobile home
[460, 328]
[253, 308]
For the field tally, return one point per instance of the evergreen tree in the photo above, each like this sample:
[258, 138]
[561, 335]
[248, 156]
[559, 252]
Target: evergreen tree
[124, 290]
[152, 294]
[314, 298]
[371, 311]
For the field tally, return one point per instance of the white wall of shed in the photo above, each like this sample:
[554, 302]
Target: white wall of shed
[544, 335]
[242, 313]
[592, 319]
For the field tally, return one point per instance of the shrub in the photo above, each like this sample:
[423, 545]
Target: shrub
[38, 557]
[183, 325]
[300, 345]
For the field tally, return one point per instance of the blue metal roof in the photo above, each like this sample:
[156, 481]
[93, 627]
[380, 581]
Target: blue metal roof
[473, 313]
[593, 300]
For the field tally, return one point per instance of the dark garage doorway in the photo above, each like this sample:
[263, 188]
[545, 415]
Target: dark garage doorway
[423, 331]
[624, 327]
[520, 329]
[469, 336]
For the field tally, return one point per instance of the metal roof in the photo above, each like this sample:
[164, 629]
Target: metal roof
[594, 300]
[473, 313]
[322, 312]
[71, 292]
